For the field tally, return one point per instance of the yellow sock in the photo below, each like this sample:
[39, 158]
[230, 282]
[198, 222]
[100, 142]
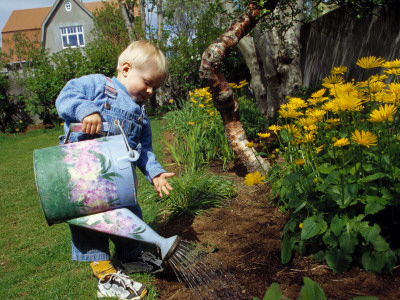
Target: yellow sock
[101, 268]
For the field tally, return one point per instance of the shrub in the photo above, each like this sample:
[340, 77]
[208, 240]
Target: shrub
[340, 182]
[194, 192]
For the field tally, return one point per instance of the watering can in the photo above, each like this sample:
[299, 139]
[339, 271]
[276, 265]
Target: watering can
[90, 184]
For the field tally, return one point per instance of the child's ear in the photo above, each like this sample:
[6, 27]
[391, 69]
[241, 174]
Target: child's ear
[126, 66]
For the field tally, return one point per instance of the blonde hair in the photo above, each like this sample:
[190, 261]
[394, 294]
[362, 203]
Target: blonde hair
[141, 52]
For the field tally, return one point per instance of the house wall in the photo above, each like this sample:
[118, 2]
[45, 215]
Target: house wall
[8, 43]
[61, 18]
[336, 39]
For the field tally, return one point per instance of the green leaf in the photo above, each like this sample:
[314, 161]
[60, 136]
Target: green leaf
[329, 239]
[374, 205]
[273, 293]
[369, 233]
[380, 244]
[373, 177]
[287, 249]
[373, 262]
[311, 290]
[312, 226]
[261, 153]
[337, 260]
[285, 135]
[326, 168]
[337, 225]
[348, 241]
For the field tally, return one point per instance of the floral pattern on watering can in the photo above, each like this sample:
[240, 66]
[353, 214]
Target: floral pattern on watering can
[93, 186]
[116, 222]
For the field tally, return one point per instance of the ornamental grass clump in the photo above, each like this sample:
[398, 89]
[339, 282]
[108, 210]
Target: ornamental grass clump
[341, 176]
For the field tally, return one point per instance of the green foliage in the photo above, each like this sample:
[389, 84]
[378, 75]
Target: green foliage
[253, 121]
[310, 291]
[190, 27]
[199, 132]
[340, 183]
[194, 192]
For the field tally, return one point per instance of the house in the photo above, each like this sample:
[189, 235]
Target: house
[68, 23]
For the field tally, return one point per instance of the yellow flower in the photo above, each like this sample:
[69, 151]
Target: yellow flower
[370, 62]
[301, 225]
[272, 156]
[290, 113]
[307, 121]
[275, 128]
[392, 64]
[392, 71]
[348, 102]
[309, 136]
[300, 162]
[20, 121]
[201, 105]
[319, 149]
[376, 87]
[331, 80]
[17, 129]
[191, 123]
[317, 114]
[250, 144]
[192, 99]
[342, 142]
[254, 178]
[365, 138]
[171, 101]
[339, 70]
[297, 102]
[319, 93]
[264, 135]
[383, 113]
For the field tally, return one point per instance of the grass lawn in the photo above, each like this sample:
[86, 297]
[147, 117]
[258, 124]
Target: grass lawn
[35, 258]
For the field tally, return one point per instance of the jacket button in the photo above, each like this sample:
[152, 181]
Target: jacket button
[108, 106]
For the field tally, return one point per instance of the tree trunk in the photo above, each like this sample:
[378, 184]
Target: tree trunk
[142, 6]
[281, 61]
[125, 16]
[248, 50]
[223, 97]
[160, 20]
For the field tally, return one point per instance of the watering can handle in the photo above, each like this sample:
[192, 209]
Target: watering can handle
[105, 127]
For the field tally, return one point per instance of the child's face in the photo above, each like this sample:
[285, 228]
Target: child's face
[140, 82]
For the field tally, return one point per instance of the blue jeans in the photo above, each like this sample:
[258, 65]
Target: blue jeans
[90, 245]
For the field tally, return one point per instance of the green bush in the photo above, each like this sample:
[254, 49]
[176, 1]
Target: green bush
[194, 191]
[340, 182]
[253, 121]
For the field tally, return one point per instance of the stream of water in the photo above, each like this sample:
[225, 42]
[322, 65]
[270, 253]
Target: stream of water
[203, 275]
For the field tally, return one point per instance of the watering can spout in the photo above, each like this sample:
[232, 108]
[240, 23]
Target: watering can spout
[123, 222]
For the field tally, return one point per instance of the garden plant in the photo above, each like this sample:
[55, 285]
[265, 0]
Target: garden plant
[339, 183]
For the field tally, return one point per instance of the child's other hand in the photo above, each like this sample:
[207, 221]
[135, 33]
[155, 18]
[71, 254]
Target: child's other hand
[91, 124]
[161, 184]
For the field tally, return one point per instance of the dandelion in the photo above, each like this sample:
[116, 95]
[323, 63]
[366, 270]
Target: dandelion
[339, 70]
[342, 142]
[365, 138]
[383, 113]
[254, 178]
[370, 62]
[275, 128]
[264, 135]
[250, 145]
[300, 162]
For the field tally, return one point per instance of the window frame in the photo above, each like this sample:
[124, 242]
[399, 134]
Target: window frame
[69, 33]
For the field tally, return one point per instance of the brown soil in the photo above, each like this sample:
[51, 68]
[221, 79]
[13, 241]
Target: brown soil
[246, 237]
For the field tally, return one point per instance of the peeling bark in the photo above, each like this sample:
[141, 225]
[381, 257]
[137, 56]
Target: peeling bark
[223, 97]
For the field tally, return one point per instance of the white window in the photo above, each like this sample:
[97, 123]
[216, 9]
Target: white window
[72, 36]
[68, 6]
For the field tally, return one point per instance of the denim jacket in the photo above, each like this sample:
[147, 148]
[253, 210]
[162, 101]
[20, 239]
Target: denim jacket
[108, 97]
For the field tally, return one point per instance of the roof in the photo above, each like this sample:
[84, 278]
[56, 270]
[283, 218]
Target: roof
[26, 19]
[30, 19]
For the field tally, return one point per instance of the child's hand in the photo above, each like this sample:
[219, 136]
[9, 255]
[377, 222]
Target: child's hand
[161, 184]
[91, 124]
